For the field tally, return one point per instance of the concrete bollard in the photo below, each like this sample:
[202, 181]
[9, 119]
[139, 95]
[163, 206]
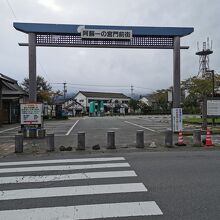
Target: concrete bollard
[41, 133]
[81, 142]
[196, 138]
[168, 138]
[140, 139]
[111, 140]
[50, 142]
[19, 143]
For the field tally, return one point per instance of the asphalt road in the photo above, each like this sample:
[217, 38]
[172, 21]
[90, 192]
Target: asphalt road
[96, 129]
[160, 185]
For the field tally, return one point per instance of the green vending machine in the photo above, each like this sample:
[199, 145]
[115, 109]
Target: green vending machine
[92, 108]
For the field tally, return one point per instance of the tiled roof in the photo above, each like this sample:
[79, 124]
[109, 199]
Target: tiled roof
[104, 95]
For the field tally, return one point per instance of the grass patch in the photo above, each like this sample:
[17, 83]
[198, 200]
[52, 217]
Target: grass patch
[199, 120]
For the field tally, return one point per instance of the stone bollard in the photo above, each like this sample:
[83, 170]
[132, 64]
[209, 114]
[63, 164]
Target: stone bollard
[19, 143]
[50, 142]
[168, 138]
[111, 140]
[81, 142]
[41, 133]
[196, 138]
[140, 139]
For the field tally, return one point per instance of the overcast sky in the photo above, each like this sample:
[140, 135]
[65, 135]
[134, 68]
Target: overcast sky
[111, 67]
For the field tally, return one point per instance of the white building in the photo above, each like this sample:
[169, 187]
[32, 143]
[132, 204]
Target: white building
[115, 102]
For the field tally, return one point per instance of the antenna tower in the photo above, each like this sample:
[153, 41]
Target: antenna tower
[204, 57]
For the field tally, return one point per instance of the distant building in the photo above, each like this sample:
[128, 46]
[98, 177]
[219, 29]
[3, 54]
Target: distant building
[68, 106]
[103, 102]
[145, 100]
[11, 95]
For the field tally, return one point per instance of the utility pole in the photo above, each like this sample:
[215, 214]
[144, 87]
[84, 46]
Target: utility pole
[64, 90]
[132, 91]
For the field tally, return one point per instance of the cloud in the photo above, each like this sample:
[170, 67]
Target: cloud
[143, 68]
[51, 4]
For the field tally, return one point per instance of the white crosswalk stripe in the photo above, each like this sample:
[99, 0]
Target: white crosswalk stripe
[102, 159]
[86, 211]
[75, 176]
[113, 175]
[64, 167]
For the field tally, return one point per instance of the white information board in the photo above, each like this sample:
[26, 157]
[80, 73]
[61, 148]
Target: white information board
[213, 107]
[177, 119]
[31, 114]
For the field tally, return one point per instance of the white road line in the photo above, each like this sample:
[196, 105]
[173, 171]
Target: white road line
[109, 210]
[7, 137]
[9, 129]
[72, 128]
[34, 162]
[65, 167]
[72, 191]
[75, 176]
[140, 126]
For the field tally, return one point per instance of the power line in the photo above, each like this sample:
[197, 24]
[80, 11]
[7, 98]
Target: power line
[102, 85]
[75, 84]
[94, 85]
[99, 85]
[83, 86]
[9, 5]
[13, 12]
[138, 87]
[42, 68]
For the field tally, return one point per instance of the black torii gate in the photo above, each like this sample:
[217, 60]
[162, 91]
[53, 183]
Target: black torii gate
[67, 35]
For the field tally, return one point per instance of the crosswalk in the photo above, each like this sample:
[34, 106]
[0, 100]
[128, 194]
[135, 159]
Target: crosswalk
[87, 188]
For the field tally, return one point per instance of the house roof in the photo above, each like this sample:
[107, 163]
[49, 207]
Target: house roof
[61, 100]
[10, 87]
[104, 95]
[7, 79]
[73, 29]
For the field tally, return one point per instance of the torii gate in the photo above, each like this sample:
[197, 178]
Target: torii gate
[70, 35]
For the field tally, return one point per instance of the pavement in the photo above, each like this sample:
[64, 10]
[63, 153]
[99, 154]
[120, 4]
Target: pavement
[96, 132]
[180, 185]
[126, 183]
[96, 128]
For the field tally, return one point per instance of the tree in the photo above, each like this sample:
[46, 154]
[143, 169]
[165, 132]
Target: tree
[133, 104]
[191, 104]
[145, 109]
[159, 101]
[198, 88]
[201, 86]
[44, 89]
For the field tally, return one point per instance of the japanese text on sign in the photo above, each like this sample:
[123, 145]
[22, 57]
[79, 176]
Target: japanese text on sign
[106, 34]
[31, 114]
[177, 117]
[213, 107]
